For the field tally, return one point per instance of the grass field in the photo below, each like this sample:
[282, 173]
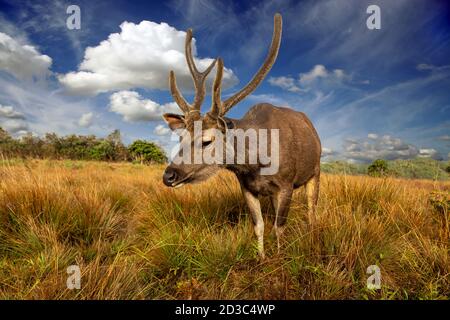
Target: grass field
[133, 238]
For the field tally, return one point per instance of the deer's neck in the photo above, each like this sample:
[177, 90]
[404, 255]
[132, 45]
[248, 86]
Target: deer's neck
[240, 169]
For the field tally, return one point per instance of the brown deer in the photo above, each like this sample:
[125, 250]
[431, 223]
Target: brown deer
[299, 151]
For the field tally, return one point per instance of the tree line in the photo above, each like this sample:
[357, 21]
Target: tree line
[79, 147]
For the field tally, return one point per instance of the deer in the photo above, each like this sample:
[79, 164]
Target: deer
[299, 147]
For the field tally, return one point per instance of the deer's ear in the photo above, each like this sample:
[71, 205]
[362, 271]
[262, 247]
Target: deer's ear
[175, 121]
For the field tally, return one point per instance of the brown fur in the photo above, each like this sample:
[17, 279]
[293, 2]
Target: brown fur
[299, 163]
[299, 149]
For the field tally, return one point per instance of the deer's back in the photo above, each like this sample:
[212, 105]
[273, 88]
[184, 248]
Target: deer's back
[299, 143]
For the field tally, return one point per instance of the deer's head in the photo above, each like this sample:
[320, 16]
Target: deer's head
[179, 174]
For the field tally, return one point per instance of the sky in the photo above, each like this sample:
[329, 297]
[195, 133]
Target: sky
[371, 93]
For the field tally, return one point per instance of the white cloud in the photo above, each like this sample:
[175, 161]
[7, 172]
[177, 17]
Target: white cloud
[36, 107]
[372, 136]
[44, 110]
[10, 113]
[309, 80]
[427, 153]
[11, 120]
[339, 73]
[141, 55]
[327, 152]
[161, 130]
[133, 107]
[286, 83]
[385, 147]
[320, 72]
[21, 60]
[14, 126]
[86, 120]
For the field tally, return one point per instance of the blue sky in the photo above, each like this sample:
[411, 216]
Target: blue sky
[370, 93]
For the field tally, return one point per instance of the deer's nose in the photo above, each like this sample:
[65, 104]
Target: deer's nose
[169, 177]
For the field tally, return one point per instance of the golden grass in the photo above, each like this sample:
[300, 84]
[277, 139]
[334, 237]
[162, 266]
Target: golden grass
[133, 238]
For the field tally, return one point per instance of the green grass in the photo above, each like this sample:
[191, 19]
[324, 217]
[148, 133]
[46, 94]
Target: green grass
[419, 168]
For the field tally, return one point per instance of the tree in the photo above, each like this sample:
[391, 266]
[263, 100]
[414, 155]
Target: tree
[448, 169]
[104, 151]
[147, 152]
[31, 146]
[120, 151]
[8, 146]
[378, 168]
[4, 136]
[79, 147]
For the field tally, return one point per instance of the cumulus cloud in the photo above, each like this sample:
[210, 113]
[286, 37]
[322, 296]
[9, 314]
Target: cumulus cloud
[21, 60]
[385, 147]
[132, 107]
[141, 55]
[86, 120]
[286, 83]
[310, 79]
[326, 152]
[320, 72]
[161, 130]
[428, 153]
[10, 113]
[372, 136]
[11, 120]
[44, 109]
[14, 126]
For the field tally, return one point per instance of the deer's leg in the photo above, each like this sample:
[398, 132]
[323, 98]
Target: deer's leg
[258, 221]
[312, 194]
[281, 202]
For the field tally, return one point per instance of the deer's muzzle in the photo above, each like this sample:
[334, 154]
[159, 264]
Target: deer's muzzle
[170, 177]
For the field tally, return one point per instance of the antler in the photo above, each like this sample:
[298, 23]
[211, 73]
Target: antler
[216, 106]
[221, 108]
[198, 77]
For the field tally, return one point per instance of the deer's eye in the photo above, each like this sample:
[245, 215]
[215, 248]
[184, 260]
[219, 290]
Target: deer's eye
[206, 143]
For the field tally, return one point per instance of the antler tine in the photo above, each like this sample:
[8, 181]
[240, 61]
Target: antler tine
[216, 90]
[198, 77]
[262, 72]
[188, 53]
[176, 94]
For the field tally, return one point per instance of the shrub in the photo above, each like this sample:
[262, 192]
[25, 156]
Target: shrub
[378, 168]
[79, 147]
[103, 151]
[146, 152]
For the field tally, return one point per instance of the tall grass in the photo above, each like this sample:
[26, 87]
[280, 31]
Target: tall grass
[133, 238]
[417, 168]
